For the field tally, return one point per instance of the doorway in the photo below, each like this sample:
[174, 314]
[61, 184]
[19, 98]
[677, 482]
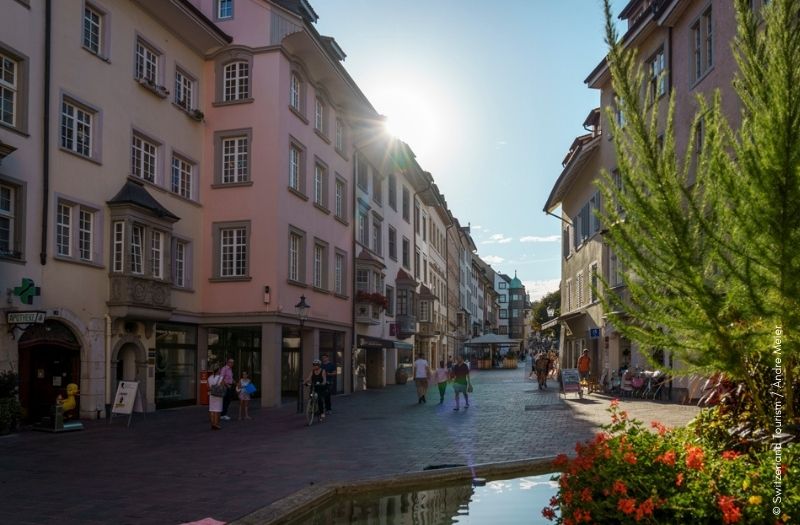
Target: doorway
[49, 360]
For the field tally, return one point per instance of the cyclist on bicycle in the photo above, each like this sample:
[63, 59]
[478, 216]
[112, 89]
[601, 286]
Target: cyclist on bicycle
[318, 381]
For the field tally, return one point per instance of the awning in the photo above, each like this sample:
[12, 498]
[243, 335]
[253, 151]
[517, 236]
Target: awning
[400, 345]
[365, 341]
[550, 324]
[491, 339]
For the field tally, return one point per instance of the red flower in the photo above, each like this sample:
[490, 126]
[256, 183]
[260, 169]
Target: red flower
[730, 512]
[679, 479]
[619, 488]
[582, 515]
[600, 438]
[694, 457]
[586, 495]
[627, 505]
[662, 429]
[645, 509]
[560, 460]
[629, 457]
[667, 458]
[730, 454]
[615, 402]
[554, 501]
[548, 513]
[784, 468]
[567, 497]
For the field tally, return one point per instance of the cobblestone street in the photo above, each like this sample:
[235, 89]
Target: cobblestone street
[170, 468]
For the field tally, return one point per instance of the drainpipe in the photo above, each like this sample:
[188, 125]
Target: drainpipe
[108, 365]
[46, 130]
[354, 216]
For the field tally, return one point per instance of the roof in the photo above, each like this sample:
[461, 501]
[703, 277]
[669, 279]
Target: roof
[490, 339]
[575, 160]
[366, 257]
[515, 284]
[134, 192]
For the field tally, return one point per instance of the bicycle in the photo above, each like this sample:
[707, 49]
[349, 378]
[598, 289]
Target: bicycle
[312, 407]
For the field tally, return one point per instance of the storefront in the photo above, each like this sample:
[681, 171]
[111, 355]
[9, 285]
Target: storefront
[240, 343]
[332, 344]
[176, 371]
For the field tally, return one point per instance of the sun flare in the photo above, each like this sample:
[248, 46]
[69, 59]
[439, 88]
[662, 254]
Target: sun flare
[410, 118]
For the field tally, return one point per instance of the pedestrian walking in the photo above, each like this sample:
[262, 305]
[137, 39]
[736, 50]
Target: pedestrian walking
[584, 365]
[244, 395]
[330, 373]
[442, 375]
[421, 373]
[461, 381]
[227, 380]
[542, 366]
[215, 397]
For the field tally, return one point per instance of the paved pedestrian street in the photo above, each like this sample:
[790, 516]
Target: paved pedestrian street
[170, 468]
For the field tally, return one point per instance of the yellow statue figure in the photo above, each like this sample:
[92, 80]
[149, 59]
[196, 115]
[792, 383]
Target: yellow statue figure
[69, 404]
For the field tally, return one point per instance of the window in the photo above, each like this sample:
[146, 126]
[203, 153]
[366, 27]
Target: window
[363, 227]
[319, 116]
[76, 128]
[118, 247]
[182, 177]
[514, 313]
[146, 63]
[406, 205]
[700, 136]
[503, 285]
[389, 300]
[137, 241]
[425, 227]
[362, 280]
[339, 136]
[296, 167]
[341, 198]
[416, 216]
[425, 311]
[377, 188]
[143, 158]
[320, 185]
[233, 252]
[235, 155]
[181, 260]
[75, 232]
[579, 280]
[377, 236]
[702, 46]
[503, 313]
[594, 283]
[614, 269]
[565, 246]
[93, 30]
[657, 80]
[406, 253]
[392, 243]
[393, 191]
[405, 303]
[296, 256]
[8, 90]
[184, 90]
[10, 204]
[361, 174]
[502, 298]
[568, 301]
[224, 9]
[295, 92]
[320, 266]
[237, 81]
[417, 266]
[339, 273]
[157, 254]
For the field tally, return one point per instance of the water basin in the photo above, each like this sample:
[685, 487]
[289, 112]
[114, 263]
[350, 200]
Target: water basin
[505, 501]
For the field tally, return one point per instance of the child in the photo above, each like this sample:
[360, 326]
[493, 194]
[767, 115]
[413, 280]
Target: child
[244, 396]
[442, 377]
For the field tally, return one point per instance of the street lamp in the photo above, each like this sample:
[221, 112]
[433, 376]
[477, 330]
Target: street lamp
[550, 312]
[302, 314]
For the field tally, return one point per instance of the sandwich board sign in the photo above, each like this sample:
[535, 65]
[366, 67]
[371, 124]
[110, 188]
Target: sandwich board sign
[127, 399]
[570, 381]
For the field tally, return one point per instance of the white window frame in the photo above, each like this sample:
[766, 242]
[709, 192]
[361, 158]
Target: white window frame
[144, 158]
[9, 67]
[147, 63]
[85, 233]
[76, 133]
[224, 9]
[339, 139]
[235, 159]
[338, 273]
[320, 185]
[118, 247]
[182, 176]
[76, 227]
[377, 236]
[295, 92]
[180, 262]
[319, 115]
[295, 256]
[295, 167]
[184, 90]
[320, 257]
[236, 81]
[64, 229]
[137, 249]
[341, 199]
[702, 45]
[657, 80]
[233, 246]
[157, 254]
[8, 210]
[92, 38]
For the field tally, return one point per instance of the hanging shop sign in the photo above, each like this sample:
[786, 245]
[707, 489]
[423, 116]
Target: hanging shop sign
[25, 317]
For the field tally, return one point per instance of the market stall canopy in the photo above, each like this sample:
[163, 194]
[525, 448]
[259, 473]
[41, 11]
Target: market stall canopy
[491, 339]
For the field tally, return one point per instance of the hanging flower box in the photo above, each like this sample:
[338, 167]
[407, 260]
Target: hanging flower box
[377, 299]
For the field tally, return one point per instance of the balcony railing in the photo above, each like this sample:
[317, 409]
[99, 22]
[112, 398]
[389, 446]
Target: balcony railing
[137, 296]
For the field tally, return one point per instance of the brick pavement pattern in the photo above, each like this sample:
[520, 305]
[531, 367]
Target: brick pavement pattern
[170, 468]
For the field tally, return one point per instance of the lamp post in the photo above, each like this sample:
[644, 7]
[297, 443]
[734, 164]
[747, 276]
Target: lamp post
[302, 313]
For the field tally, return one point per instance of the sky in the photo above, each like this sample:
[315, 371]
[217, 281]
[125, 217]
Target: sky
[489, 95]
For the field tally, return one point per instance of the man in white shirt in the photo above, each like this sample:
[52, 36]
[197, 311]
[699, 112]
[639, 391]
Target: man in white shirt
[421, 373]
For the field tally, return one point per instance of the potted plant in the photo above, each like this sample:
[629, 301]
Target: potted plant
[9, 403]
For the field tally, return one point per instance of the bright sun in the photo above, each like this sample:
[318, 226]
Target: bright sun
[411, 118]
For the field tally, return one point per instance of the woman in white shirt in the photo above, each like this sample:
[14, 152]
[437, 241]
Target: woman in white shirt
[214, 402]
[442, 376]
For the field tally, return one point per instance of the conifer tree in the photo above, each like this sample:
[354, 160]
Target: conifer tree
[710, 237]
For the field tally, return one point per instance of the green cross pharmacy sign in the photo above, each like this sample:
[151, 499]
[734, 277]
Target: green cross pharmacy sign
[27, 291]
